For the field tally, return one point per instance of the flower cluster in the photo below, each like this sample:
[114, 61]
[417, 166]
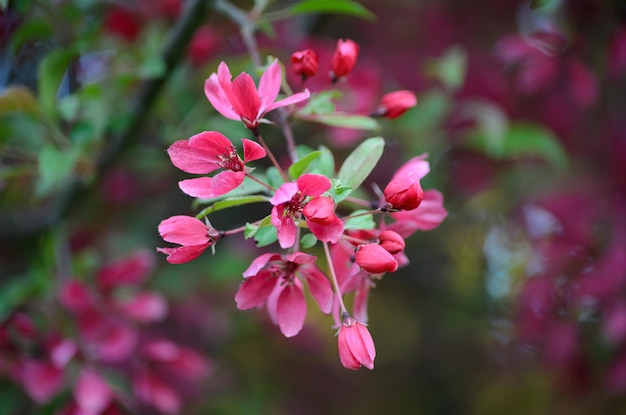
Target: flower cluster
[104, 337]
[315, 210]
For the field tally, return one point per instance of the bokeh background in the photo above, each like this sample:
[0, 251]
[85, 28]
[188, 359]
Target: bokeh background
[516, 304]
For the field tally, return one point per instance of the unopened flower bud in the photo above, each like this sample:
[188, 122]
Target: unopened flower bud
[356, 346]
[375, 259]
[304, 63]
[404, 191]
[391, 241]
[344, 58]
[394, 104]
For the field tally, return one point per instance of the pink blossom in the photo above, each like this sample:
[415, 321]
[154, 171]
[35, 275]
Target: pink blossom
[321, 219]
[209, 151]
[145, 307]
[394, 104]
[304, 63]
[92, 393]
[404, 191]
[240, 100]
[344, 58]
[41, 380]
[290, 200]
[272, 279]
[391, 242]
[130, 270]
[356, 347]
[180, 361]
[152, 389]
[191, 233]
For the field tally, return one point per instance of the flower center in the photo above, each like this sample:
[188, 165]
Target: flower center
[229, 160]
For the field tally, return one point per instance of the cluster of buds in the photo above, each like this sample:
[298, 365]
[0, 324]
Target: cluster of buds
[305, 199]
[105, 337]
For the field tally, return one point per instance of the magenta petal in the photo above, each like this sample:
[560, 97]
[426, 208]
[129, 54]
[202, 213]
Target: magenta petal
[184, 230]
[117, 343]
[319, 286]
[286, 230]
[291, 310]
[366, 337]
[269, 86]
[284, 193]
[226, 181]
[360, 348]
[345, 354]
[293, 99]
[145, 307]
[252, 151]
[245, 98]
[256, 265]
[327, 231]
[191, 160]
[216, 96]
[254, 291]
[183, 254]
[199, 187]
[41, 380]
[313, 184]
[210, 143]
[92, 393]
[417, 167]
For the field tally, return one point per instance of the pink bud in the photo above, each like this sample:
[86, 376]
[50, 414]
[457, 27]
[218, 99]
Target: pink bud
[304, 63]
[92, 393]
[394, 104]
[404, 191]
[391, 241]
[375, 259]
[75, 297]
[344, 58]
[356, 347]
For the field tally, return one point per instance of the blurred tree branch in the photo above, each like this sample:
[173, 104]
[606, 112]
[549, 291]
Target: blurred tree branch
[30, 223]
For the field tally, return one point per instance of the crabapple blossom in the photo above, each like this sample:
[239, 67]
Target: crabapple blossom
[191, 233]
[404, 191]
[427, 216]
[344, 58]
[209, 151]
[289, 202]
[394, 104]
[272, 279]
[239, 99]
[356, 346]
[304, 63]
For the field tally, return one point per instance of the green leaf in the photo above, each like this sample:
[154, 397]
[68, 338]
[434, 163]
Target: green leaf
[265, 236]
[332, 6]
[360, 163]
[152, 67]
[33, 28]
[299, 167]
[251, 229]
[338, 191]
[231, 202]
[274, 178]
[324, 164]
[308, 241]
[525, 140]
[18, 290]
[358, 122]
[535, 4]
[360, 222]
[55, 168]
[50, 73]
[449, 69]
[321, 103]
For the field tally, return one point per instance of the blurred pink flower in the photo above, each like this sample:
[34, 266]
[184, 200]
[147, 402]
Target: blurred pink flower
[304, 63]
[91, 393]
[240, 99]
[209, 151]
[427, 216]
[394, 104]
[344, 58]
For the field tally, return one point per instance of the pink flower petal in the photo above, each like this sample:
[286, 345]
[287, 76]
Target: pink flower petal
[319, 286]
[245, 98]
[327, 231]
[291, 310]
[252, 150]
[151, 389]
[191, 160]
[254, 291]
[284, 193]
[345, 354]
[374, 259]
[201, 187]
[428, 215]
[183, 254]
[361, 295]
[285, 228]
[293, 99]
[184, 230]
[41, 380]
[75, 296]
[92, 393]
[269, 86]
[145, 307]
[130, 270]
[258, 263]
[313, 184]
[216, 96]
[226, 181]
[211, 143]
